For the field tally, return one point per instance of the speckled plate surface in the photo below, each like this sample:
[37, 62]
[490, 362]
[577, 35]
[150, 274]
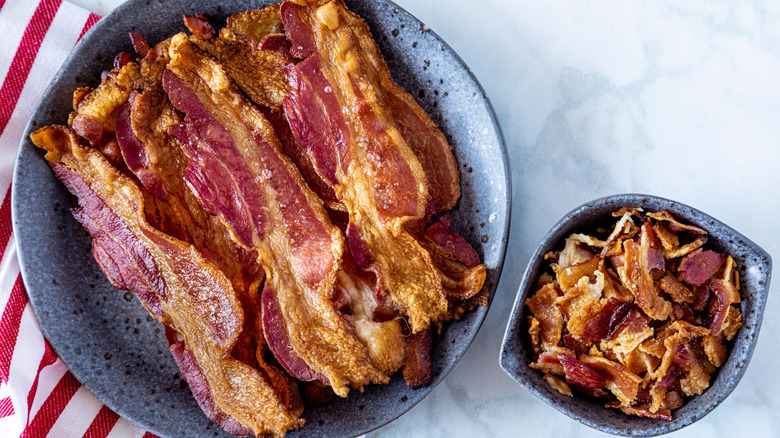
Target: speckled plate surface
[107, 339]
[755, 271]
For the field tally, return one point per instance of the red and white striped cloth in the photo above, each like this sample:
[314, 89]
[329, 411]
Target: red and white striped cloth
[39, 397]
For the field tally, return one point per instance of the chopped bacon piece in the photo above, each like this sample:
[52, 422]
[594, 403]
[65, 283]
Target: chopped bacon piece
[699, 266]
[582, 376]
[628, 334]
[642, 410]
[675, 225]
[720, 303]
[570, 275]
[606, 320]
[732, 323]
[714, 349]
[542, 305]
[549, 363]
[621, 382]
[636, 275]
[675, 289]
[581, 303]
[558, 384]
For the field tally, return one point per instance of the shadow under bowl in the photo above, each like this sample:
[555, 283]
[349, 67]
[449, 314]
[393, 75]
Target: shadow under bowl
[755, 269]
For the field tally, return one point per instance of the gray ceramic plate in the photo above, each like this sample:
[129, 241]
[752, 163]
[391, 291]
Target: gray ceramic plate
[107, 339]
[755, 270]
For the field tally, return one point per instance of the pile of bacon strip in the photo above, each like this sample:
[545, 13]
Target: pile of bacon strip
[274, 198]
[640, 319]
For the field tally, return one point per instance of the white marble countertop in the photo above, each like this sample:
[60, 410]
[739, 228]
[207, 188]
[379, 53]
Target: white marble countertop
[675, 99]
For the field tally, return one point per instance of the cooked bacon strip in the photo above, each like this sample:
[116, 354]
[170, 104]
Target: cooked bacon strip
[196, 298]
[162, 167]
[415, 126]
[361, 154]
[270, 211]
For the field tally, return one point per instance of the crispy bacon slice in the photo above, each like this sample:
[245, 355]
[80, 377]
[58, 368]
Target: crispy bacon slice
[271, 211]
[194, 296]
[339, 112]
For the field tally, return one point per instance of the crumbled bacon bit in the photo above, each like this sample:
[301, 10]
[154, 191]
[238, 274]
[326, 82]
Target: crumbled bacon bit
[698, 266]
[582, 376]
[640, 317]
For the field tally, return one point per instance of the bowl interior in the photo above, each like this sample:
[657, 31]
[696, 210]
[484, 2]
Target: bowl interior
[755, 272]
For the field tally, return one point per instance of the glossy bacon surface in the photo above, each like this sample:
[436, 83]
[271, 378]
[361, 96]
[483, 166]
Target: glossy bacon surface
[270, 210]
[338, 109]
[194, 297]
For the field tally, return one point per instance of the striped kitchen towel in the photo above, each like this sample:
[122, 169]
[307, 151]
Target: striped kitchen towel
[39, 397]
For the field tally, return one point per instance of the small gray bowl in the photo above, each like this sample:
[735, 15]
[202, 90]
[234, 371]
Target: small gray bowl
[755, 269]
